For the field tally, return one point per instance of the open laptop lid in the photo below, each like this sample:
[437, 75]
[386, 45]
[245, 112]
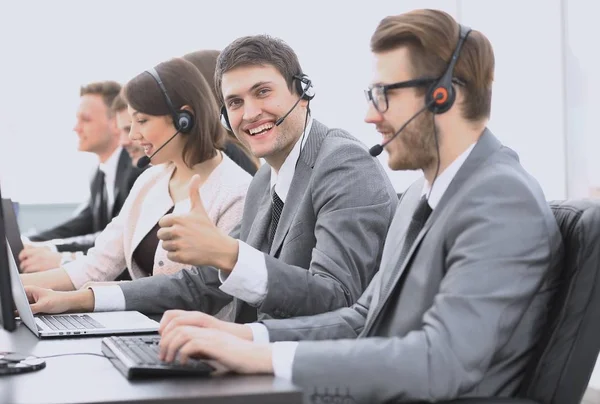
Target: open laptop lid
[19, 295]
[13, 234]
[6, 298]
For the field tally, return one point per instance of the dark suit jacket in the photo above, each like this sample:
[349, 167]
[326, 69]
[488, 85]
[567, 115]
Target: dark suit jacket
[81, 230]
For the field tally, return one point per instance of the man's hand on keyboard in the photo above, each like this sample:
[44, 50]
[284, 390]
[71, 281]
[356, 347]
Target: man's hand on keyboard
[234, 353]
[38, 258]
[49, 301]
[177, 318]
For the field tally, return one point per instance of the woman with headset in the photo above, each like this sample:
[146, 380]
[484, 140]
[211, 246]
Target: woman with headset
[175, 118]
[206, 62]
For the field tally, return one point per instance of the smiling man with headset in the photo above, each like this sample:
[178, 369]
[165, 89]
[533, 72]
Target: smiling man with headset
[468, 264]
[315, 218]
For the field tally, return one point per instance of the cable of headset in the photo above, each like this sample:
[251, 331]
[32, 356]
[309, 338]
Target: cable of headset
[437, 148]
[72, 354]
[303, 133]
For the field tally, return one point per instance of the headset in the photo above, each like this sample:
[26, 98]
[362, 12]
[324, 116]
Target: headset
[441, 95]
[304, 87]
[182, 120]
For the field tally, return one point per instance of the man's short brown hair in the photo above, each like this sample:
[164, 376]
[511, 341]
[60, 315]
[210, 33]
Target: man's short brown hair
[118, 104]
[431, 37]
[109, 90]
[258, 50]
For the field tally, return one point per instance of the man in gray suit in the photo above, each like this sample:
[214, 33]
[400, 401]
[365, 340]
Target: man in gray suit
[469, 263]
[315, 219]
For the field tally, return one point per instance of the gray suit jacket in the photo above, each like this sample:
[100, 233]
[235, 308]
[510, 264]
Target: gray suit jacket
[460, 315]
[327, 246]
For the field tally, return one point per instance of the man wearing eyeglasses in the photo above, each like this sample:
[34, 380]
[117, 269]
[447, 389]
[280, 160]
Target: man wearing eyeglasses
[468, 265]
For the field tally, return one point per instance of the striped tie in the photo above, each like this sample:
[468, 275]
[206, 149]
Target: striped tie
[277, 208]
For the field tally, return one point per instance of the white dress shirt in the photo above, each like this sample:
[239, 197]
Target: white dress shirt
[284, 351]
[248, 279]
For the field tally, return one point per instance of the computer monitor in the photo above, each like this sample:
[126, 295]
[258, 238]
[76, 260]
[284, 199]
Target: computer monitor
[6, 297]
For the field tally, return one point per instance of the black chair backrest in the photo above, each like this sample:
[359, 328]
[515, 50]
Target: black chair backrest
[561, 367]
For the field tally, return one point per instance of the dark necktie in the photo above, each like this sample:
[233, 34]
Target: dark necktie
[103, 205]
[417, 222]
[276, 209]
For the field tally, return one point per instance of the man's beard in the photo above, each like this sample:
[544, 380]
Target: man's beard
[418, 150]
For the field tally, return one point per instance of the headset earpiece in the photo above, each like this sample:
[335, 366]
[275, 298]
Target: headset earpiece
[442, 98]
[182, 120]
[441, 95]
[185, 121]
[304, 87]
[225, 119]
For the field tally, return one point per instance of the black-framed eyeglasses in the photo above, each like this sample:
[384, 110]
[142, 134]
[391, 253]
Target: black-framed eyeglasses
[377, 94]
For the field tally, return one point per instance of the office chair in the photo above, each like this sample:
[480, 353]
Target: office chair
[561, 367]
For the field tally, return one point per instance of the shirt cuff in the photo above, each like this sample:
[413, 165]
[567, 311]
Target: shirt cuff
[283, 359]
[248, 280]
[108, 298]
[260, 333]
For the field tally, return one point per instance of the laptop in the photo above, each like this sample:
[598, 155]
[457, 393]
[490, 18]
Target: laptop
[62, 325]
[69, 325]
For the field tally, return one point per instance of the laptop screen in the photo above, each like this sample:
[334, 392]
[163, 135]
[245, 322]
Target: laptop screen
[6, 297]
[11, 226]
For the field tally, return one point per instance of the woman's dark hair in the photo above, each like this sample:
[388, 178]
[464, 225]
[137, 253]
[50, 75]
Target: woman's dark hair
[185, 87]
[206, 62]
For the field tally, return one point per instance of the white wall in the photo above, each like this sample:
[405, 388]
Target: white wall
[582, 84]
[56, 46]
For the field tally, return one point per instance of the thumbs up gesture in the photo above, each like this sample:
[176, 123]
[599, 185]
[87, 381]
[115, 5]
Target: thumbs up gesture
[192, 238]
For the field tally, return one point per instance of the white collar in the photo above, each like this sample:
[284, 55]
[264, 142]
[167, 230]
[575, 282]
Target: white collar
[283, 180]
[443, 180]
[109, 167]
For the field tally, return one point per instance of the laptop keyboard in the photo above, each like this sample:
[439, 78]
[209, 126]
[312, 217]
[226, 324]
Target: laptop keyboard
[143, 352]
[71, 322]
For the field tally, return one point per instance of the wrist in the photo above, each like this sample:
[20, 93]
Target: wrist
[66, 257]
[265, 360]
[230, 254]
[83, 300]
[239, 330]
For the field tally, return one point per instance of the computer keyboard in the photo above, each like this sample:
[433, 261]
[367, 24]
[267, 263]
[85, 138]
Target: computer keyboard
[137, 357]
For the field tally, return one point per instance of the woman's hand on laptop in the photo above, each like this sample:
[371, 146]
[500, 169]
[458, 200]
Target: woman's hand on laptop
[172, 319]
[52, 302]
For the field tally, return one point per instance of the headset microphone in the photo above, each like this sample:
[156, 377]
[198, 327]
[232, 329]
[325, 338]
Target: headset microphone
[378, 148]
[280, 120]
[145, 160]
